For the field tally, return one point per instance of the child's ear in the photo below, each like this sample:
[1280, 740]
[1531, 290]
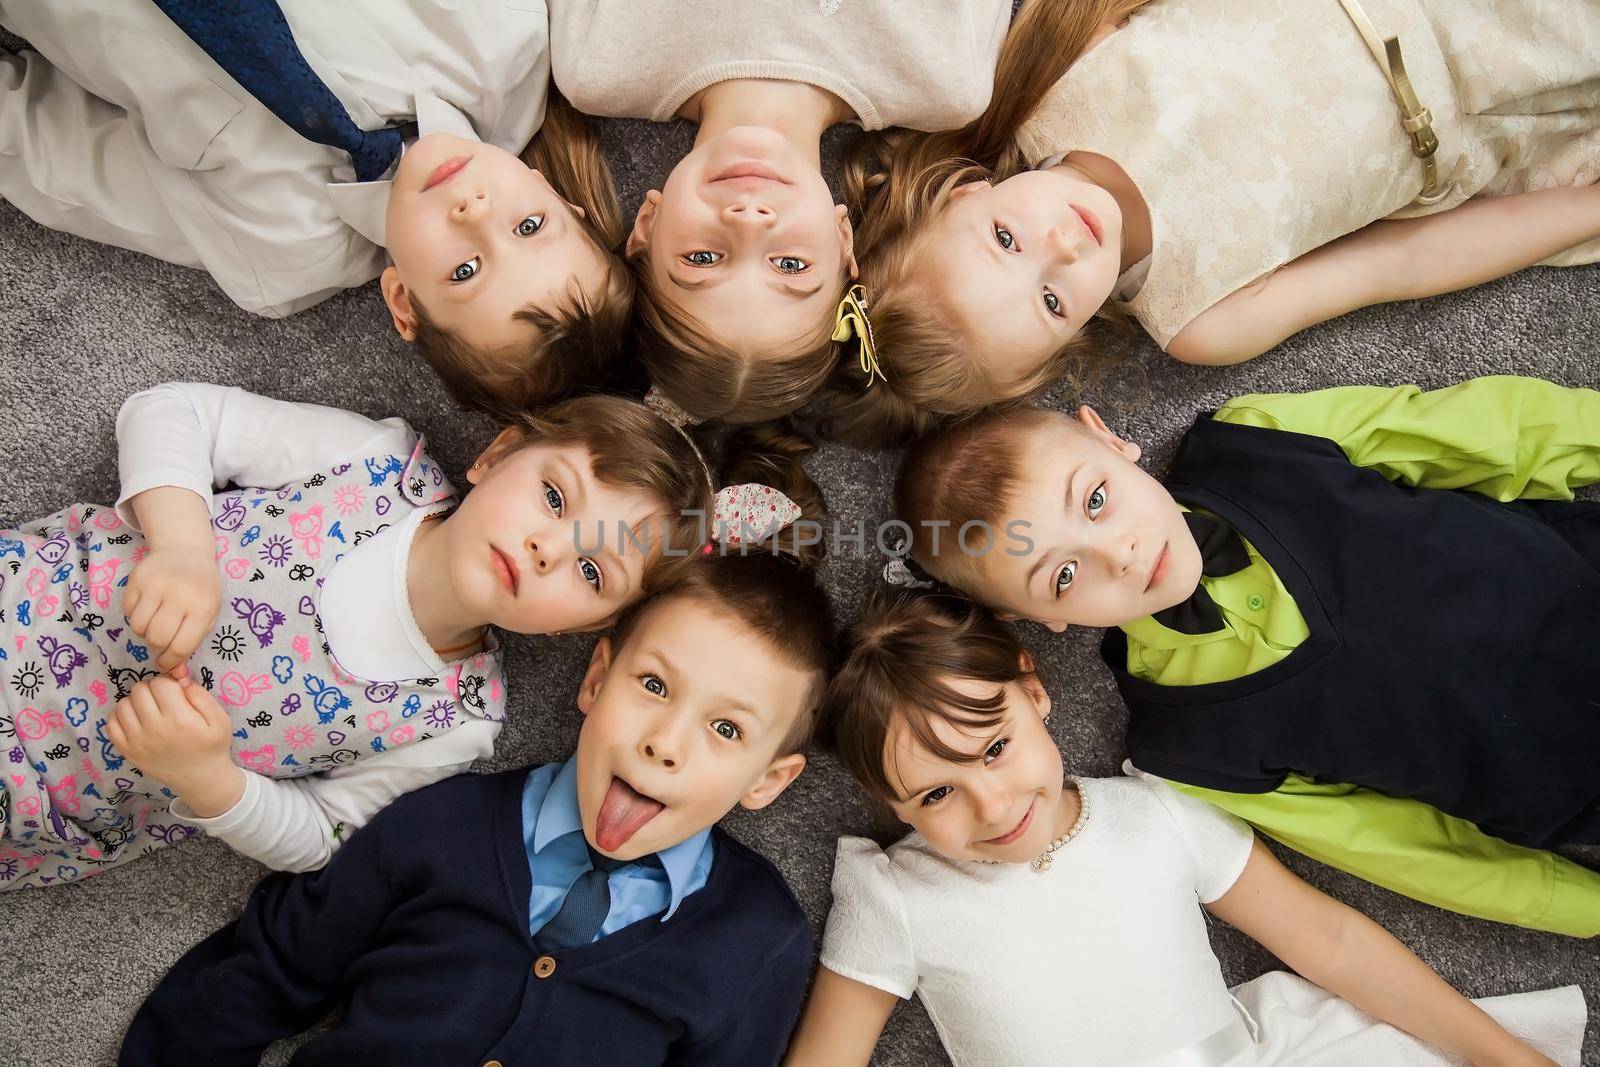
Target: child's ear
[639, 236]
[847, 238]
[780, 773]
[506, 440]
[1091, 420]
[968, 188]
[398, 297]
[595, 676]
[1032, 687]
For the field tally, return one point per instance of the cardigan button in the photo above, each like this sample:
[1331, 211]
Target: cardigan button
[493, 1063]
[543, 967]
[1256, 602]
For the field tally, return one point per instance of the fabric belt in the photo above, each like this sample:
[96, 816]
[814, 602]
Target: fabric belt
[1222, 1047]
[1416, 119]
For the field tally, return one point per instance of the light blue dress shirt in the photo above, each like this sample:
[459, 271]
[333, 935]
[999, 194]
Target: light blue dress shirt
[552, 833]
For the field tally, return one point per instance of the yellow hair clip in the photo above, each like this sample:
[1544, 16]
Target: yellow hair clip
[851, 321]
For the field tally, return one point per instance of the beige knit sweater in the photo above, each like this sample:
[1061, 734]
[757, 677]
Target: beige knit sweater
[927, 64]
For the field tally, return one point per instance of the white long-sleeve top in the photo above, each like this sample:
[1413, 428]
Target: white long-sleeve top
[204, 437]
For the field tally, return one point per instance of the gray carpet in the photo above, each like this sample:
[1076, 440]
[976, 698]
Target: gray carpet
[82, 326]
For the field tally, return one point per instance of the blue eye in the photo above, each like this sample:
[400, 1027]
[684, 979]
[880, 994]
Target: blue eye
[1065, 576]
[1003, 236]
[653, 684]
[933, 796]
[1096, 501]
[552, 496]
[790, 264]
[703, 258]
[727, 730]
[467, 271]
[530, 226]
[590, 572]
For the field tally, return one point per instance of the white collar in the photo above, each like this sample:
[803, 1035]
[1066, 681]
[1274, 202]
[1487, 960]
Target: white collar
[364, 206]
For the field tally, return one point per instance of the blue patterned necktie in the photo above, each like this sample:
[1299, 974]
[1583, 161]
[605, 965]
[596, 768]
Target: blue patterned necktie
[585, 909]
[251, 40]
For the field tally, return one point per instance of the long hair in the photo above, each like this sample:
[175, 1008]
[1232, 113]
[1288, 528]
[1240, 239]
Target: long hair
[898, 181]
[575, 346]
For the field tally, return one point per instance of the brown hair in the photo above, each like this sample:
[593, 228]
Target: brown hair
[576, 345]
[896, 182]
[904, 652]
[770, 587]
[963, 473]
[716, 381]
[631, 447]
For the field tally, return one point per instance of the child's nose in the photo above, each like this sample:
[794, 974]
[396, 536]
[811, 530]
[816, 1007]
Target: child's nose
[749, 216]
[663, 744]
[472, 207]
[544, 552]
[1064, 244]
[994, 804]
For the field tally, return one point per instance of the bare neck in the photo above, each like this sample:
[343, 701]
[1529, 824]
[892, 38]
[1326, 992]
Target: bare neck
[798, 111]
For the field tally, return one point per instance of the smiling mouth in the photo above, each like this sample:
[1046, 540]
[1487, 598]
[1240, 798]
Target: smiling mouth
[1091, 224]
[446, 170]
[506, 570]
[748, 169]
[1017, 830]
[623, 812]
[1158, 569]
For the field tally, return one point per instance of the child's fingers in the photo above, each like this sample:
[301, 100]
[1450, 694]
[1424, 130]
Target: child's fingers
[139, 618]
[143, 708]
[163, 627]
[182, 645]
[180, 674]
[215, 715]
[119, 740]
[131, 595]
[126, 721]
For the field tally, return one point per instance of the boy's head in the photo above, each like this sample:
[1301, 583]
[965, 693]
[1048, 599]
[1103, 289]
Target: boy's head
[506, 286]
[535, 546]
[937, 712]
[703, 698]
[1076, 533]
[740, 261]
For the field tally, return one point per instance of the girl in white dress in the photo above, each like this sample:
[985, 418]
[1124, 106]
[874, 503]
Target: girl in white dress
[1062, 924]
[1226, 173]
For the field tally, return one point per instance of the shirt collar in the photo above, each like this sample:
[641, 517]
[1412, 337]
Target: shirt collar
[559, 815]
[364, 206]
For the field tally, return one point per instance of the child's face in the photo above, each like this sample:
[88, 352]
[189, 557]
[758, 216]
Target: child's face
[746, 238]
[476, 236]
[1110, 545]
[1004, 805]
[1021, 266]
[683, 722]
[514, 541]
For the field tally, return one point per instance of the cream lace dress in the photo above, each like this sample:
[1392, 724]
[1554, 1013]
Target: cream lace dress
[1258, 130]
[1105, 959]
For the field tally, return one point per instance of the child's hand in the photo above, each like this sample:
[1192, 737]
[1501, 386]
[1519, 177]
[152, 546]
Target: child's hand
[172, 599]
[179, 735]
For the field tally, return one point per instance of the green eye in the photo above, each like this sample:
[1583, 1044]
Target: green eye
[530, 226]
[1097, 501]
[1065, 576]
[703, 258]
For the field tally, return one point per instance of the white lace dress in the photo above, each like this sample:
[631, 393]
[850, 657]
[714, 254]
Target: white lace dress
[1259, 130]
[1104, 958]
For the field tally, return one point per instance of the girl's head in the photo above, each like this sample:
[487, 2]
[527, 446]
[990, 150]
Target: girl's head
[538, 544]
[740, 261]
[1070, 530]
[938, 713]
[504, 273]
[703, 698]
[988, 279]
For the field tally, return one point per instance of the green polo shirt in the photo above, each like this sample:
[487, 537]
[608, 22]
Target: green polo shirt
[1508, 438]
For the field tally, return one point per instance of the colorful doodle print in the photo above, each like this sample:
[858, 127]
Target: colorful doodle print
[70, 804]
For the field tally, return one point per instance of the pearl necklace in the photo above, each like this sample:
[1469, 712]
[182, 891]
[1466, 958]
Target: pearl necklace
[1043, 860]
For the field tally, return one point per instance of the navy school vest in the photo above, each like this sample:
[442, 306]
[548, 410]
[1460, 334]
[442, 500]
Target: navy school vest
[1454, 648]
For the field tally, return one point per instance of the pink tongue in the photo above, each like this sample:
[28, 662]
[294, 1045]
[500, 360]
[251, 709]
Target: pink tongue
[621, 814]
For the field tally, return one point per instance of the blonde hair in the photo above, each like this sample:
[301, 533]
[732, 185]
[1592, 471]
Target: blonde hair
[575, 346]
[897, 182]
[713, 380]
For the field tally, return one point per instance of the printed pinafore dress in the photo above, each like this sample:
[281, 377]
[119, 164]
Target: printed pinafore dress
[71, 804]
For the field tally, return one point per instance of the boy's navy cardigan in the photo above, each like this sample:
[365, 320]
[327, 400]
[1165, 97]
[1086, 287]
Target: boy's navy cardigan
[418, 931]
